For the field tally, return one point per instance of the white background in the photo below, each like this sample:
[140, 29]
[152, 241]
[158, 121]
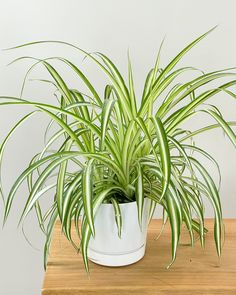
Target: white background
[111, 27]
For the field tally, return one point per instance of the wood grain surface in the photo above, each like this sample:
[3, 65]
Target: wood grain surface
[196, 270]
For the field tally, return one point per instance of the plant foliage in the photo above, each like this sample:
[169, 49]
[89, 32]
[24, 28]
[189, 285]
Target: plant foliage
[115, 148]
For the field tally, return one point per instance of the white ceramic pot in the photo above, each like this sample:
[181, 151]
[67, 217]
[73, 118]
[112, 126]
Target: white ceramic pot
[106, 248]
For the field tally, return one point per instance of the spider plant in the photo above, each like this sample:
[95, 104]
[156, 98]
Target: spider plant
[115, 148]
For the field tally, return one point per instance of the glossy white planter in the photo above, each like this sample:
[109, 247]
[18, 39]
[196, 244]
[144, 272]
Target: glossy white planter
[110, 250]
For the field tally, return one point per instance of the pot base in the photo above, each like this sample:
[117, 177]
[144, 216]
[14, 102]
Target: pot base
[116, 259]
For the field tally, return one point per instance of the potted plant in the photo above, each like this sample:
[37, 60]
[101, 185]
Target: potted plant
[118, 157]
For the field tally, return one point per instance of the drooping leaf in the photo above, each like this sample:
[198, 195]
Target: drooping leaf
[87, 194]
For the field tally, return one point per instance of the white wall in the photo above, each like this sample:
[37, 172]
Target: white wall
[111, 27]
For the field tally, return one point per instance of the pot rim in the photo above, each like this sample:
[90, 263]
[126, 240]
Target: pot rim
[125, 203]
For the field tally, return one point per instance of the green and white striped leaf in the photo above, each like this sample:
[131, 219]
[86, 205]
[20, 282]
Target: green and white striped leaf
[118, 216]
[106, 113]
[139, 193]
[164, 153]
[87, 194]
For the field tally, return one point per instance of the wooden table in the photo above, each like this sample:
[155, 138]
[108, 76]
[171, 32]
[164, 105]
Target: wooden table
[196, 271]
